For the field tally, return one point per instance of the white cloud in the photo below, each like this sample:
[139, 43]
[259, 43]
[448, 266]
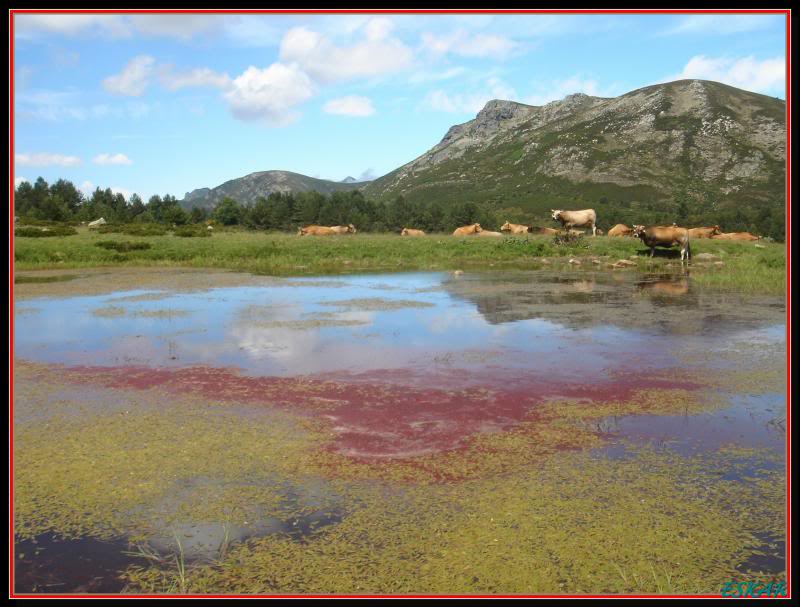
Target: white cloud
[112, 159]
[197, 77]
[44, 159]
[182, 27]
[767, 76]
[19, 180]
[124, 191]
[55, 106]
[133, 79]
[377, 54]
[422, 77]
[558, 89]
[471, 103]
[464, 44]
[722, 24]
[70, 25]
[268, 95]
[352, 105]
[87, 187]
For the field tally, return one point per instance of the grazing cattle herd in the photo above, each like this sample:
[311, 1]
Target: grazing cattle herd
[651, 236]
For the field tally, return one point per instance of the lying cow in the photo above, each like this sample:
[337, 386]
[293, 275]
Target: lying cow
[704, 232]
[514, 228]
[489, 233]
[316, 231]
[97, 223]
[735, 236]
[661, 236]
[579, 219]
[348, 229]
[538, 230]
[411, 232]
[474, 228]
[620, 230]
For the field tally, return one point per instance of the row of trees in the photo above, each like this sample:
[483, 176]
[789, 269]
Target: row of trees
[62, 201]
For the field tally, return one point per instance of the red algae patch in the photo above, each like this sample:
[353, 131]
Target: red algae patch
[374, 419]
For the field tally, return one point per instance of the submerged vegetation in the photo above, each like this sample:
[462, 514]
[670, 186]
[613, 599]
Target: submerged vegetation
[533, 510]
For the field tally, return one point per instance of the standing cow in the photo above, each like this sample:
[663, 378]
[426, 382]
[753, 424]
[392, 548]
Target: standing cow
[661, 236]
[579, 219]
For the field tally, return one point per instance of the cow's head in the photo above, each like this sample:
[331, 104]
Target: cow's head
[477, 227]
[638, 231]
[351, 228]
[716, 230]
[505, 227]
[404, 232]
[556, 213]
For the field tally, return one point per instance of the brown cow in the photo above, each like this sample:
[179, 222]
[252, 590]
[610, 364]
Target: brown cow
[316, 231]
[348, 229]
[572, 219]
[620, 230]
[514, 228]
[489, 233]
[538, 230]
[475, 228]
[735, 236]
[661, 236]
[411, 232]
[704, 232]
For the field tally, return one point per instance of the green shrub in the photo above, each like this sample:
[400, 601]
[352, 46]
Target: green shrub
[124, 246]
[134, 229]
[31, 232]
[192, 232]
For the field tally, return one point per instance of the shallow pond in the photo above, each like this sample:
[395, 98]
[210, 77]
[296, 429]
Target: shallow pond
[402, 371]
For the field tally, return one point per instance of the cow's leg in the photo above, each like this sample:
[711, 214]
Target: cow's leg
[652, 251]
[594, 230]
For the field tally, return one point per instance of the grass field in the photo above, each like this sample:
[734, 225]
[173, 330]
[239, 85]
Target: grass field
[736, 265]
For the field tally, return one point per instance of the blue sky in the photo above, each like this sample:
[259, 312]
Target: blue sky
[159, 104]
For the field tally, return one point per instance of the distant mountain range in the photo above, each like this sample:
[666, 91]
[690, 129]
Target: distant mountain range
[703, 142]
[249, 188]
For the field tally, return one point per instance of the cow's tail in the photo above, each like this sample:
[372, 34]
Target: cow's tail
[688, 248]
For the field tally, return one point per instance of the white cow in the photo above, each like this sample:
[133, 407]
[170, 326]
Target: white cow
[573, 219]
[97, 223]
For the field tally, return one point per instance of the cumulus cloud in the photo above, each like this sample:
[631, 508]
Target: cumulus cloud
[124, 191]
[469, 103]
[70, 25]
[182, 26]
[198, 77]
[269, 95]
[112, 159]
[767, 76]
[464, 44]
[43, 159]
[558, 89]
[376, 54]
[352, 105]
[133, 79]
[723, 24]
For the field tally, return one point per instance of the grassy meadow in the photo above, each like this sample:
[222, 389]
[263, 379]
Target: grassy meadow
[735, 265]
